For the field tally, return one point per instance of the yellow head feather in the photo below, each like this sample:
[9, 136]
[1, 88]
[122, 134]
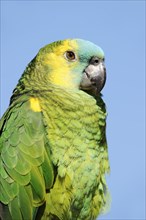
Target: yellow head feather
[60, 67]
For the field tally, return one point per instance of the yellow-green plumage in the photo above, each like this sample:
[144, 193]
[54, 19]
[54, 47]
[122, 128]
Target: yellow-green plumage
[53, 146]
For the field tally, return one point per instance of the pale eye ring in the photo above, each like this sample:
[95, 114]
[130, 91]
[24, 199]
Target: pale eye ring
[70, 55]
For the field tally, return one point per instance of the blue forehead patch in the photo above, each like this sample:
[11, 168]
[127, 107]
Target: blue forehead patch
[87, 49]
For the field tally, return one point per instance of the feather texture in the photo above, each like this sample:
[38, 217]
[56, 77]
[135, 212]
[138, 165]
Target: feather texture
[53, 144]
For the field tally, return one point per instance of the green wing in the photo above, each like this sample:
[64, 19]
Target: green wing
[26, 169]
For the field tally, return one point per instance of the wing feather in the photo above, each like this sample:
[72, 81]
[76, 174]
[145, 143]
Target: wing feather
[26, 168]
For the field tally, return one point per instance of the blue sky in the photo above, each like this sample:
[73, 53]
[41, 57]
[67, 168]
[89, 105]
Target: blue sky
[119, 28]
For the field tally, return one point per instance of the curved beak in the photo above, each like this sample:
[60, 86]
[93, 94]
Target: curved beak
[94, 77]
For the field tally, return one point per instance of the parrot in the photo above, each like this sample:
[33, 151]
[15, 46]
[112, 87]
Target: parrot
[53, 146]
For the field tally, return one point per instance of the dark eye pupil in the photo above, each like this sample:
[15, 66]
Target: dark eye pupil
[70, 55]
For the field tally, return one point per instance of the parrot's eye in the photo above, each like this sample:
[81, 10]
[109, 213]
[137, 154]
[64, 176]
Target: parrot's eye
[70, 55]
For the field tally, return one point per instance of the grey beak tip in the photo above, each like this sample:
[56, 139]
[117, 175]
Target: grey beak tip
[94, 78]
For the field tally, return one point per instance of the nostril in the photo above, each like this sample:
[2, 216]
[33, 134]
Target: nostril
[94, 61]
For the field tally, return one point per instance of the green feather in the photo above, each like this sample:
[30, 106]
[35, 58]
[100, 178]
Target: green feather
[25, 204]
[38, 187]
[14, 208]
[53, 151]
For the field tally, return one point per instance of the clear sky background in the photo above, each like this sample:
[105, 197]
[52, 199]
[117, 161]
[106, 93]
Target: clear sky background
[119, 28]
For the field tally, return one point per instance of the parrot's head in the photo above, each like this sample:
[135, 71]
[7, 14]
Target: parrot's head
[70, 64]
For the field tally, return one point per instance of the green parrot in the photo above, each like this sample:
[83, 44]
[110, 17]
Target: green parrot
[54, 154]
